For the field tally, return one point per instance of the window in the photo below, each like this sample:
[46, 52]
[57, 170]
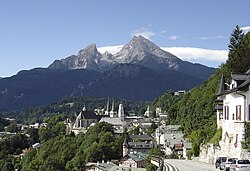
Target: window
[226, 112]
[238, 112]
[220, 115]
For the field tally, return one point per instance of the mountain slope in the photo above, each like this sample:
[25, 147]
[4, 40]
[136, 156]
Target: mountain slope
[41, 86]
[139, 83]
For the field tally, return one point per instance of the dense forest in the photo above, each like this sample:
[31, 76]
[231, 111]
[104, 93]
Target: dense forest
[58, 150]
[194, 111]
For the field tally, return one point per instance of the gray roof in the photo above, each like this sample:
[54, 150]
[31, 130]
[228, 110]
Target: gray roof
[243, 81]
[140, 145]
[113, 120]
[239, 77]
[88, 115]
[120, 168]
[222, 85]
[103, 166]
[143, 137]
[138, 156]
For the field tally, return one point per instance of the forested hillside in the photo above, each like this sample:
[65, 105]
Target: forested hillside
[194, 111]
[72, 106]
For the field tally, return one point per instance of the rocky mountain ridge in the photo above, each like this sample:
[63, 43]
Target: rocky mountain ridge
[139, 51]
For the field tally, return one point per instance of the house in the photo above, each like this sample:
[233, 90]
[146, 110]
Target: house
[36, 145]
[233, 113]
[134, 160]
[99, 166]
[180, 92]
[138, 144]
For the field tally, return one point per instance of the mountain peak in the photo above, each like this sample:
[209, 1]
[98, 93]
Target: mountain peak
[89, 51]
[141, 43]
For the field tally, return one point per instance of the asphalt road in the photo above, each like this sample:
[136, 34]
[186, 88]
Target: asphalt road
[187, 165]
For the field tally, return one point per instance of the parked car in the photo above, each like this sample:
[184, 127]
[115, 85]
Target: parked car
[240, 165]
[219, 161]
[226, 165]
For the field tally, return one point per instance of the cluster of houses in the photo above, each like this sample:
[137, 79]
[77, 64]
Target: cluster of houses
[135, 147]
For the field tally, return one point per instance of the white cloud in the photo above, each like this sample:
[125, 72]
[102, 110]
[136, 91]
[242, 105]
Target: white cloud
[193, 54]
[143, 32]
[163, 31]
[172, 37]
[245, 29]
[110, 49]
[212, 37]
[207, 57]
[146, 34]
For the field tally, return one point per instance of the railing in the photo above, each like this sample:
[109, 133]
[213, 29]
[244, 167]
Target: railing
[158, 161]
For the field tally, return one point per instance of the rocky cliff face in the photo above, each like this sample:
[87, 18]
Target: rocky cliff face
[139, 51]
[87, 58]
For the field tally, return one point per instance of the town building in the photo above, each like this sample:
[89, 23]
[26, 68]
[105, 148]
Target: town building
[233, 115]
[84, 120]
[139, 143]
[134, 160]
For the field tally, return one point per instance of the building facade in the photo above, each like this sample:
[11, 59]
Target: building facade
[233, 113]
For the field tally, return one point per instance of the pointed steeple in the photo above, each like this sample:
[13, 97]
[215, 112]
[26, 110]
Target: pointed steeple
[107, 109]
[112, 113]
[125, 146]
[108, 104]
[121, 112]
[113, 105]
[222, 85]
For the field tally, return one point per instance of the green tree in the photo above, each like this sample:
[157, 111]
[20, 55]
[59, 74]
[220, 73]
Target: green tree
[239, 52]
[235, 39]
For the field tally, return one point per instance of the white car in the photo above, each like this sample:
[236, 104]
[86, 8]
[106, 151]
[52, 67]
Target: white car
[240, 165]
[227, 164]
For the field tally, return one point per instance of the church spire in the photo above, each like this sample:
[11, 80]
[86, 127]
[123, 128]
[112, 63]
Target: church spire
[113, 105]
[125, 146]
[107, 109]
[112, 113]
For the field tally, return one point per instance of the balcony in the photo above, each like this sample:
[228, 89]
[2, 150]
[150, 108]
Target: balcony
[218, 107]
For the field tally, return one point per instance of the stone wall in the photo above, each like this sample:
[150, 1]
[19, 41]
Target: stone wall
[209, 153]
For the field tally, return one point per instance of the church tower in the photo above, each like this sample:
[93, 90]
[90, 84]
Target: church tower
[148, 113]
[107, 110]
[121, 112]
[125, 146]
[112, 113]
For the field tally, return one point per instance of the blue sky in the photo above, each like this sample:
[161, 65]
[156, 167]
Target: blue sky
[35, 33]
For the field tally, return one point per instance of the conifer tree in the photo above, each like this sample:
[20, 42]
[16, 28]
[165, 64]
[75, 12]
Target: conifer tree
[239, 52]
